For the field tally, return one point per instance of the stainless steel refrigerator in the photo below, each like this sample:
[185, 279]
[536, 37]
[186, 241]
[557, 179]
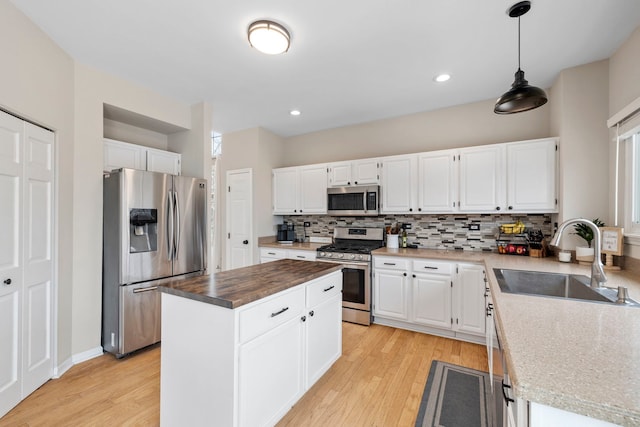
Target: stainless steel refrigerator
[154, 228]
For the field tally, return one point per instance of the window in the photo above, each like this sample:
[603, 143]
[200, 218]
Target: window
[632, 193]
[216, 144]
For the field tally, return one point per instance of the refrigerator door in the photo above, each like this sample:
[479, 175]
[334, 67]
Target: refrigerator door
[145, 226]
[190, 224]
[140, 324]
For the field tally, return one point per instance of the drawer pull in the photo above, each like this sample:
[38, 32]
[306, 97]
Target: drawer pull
[389, 263]
[428, 267]
[301, 256]
[279, 312]
[328, 289]
[150, 288]
[271, 253]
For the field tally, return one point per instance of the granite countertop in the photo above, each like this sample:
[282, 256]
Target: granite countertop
[579, 356]
[235, 288]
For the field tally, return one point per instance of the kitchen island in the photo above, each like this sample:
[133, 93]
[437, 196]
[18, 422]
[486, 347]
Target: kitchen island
[240, 347]
[575, 356]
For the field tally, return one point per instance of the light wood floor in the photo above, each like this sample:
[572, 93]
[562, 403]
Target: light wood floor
[378, 381]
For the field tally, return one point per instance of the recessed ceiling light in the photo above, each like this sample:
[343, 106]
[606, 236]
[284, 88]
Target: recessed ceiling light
[294, 112]
[440, 78]
[269, 37]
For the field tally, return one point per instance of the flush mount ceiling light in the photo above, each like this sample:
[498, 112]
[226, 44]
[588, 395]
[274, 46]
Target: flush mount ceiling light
[441, 78]
[521, 97]
[269, 37]
[295, 112]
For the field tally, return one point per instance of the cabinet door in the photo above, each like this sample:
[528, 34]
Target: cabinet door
[531, 176]
[437, 181]
[285, 191]
[122, 155]
[324, 337]
[432, 300]
[482, 176]
[270, 374]
[313, 189]
[365, 172]
[163, 161]
[339, 174]
[470, 305]
[398, 184]
[390, 294]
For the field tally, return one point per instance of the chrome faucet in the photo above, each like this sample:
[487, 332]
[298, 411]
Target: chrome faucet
[598, 278]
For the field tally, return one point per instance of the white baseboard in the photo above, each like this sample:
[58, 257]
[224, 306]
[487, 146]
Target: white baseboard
[59, 370]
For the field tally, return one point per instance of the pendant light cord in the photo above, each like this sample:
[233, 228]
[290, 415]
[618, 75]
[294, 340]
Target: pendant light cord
[518, 42]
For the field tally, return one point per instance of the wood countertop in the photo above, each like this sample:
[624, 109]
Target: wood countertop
[579, 356]
[235, 288]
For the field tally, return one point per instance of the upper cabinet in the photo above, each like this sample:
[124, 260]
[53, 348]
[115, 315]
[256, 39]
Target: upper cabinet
[357, 172]
[482, 179]
[300, 190]
[438, 181]
[531, 176]
[398, 192]
[118, 154]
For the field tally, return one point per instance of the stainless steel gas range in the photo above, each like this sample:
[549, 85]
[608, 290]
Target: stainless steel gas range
[352, 248]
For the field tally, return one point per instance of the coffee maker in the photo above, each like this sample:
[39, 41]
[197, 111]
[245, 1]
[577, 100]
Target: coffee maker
[286, 233]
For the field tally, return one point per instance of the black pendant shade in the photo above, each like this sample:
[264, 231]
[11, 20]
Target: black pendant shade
[521, 97]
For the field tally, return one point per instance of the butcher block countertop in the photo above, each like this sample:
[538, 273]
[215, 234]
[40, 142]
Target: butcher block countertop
[235, 288]
[582, 357]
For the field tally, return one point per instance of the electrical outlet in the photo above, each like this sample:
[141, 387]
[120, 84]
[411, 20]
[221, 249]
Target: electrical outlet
[474, 227]
[407, 226]
[307, 224]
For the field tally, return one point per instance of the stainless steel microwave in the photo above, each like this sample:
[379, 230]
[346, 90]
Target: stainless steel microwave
[353, 201]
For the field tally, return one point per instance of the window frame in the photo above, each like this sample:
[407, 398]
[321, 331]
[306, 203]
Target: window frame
[632, 190]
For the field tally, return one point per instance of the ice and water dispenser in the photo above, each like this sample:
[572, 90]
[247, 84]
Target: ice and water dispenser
[143, 230]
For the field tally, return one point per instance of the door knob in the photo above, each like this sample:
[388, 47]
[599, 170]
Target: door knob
[245, 242]
[7, 282]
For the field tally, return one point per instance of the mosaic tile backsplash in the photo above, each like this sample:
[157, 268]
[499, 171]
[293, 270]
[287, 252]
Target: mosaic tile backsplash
[429, 231]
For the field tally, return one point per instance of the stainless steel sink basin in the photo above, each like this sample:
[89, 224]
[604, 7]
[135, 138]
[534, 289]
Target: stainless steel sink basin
[572, 286]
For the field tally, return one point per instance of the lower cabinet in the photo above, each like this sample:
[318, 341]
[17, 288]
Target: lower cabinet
[438, 297]
[274, 254]
[247, 366]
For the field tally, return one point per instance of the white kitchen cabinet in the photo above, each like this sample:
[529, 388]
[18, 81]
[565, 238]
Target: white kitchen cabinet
[432, 296]
[469, 287]
[323, 327]
[118, 154]
[163, 161]
[531, 176]
[438, 181]
[357, 172]
[431, 299]
[274, 254]
[390, 288]
[482, 179]
[300, 190]
[399, 180]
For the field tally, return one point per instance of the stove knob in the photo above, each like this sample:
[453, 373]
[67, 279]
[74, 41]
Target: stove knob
[360, 257]
[340, 255]
[321, 254]
[352, 256]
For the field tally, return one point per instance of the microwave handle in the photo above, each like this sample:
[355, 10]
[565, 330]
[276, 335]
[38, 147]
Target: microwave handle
[364, 200]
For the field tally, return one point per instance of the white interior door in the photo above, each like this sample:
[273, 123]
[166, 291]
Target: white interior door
[26, 268]
[239, 219]
[11, 160]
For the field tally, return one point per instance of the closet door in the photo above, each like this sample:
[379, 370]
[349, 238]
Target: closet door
[26, 270]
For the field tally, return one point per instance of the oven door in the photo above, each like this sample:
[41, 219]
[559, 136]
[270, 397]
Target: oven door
[356, 286]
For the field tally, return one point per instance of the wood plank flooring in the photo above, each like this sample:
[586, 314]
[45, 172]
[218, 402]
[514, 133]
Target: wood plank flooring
[378, 381]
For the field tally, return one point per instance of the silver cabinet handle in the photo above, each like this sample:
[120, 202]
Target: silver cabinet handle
[301, 256]
[389, 263]
[428, 267]
[279, 312]
[150, 288]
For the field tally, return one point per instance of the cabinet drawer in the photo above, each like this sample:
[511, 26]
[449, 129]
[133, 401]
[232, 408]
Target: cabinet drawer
[273, 253]
[266, 315]
[428, 266]
[391, 263]
[324, 288]
[308, 255]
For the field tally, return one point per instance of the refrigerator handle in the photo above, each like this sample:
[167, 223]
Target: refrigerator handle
[169, 226]
[176, 206]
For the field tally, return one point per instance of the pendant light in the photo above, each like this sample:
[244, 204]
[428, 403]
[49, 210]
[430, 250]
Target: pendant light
[521, 97]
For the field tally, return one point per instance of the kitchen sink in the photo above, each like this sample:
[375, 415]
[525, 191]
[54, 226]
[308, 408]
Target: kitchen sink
[556, 285]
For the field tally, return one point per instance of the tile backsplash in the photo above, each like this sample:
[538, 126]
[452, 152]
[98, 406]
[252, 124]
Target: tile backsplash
[428, 231]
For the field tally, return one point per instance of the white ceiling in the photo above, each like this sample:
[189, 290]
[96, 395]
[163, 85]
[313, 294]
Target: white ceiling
[350, 61]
